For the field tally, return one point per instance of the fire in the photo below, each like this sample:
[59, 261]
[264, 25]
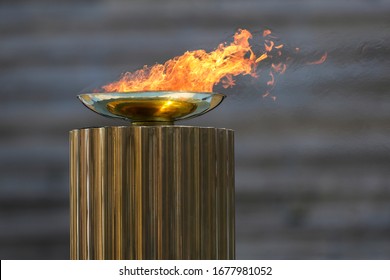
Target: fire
[199, 70]
[321, 60]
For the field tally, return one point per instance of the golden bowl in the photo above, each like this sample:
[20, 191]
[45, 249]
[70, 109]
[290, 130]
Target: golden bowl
[152, 107]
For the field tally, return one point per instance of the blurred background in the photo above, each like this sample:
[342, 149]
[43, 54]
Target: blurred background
[312, 167]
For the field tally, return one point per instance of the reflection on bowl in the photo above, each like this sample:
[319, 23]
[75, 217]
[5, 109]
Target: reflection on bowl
[152, 107]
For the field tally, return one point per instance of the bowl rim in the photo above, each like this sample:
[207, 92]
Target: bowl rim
[146, 95]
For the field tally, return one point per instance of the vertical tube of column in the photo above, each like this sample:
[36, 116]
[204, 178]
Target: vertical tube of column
[159, 192]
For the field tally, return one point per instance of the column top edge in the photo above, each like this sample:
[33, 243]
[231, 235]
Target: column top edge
[157, 127]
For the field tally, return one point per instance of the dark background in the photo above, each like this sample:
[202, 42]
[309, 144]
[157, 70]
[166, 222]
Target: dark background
[312, 168]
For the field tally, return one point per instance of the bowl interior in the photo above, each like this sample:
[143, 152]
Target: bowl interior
[160, 107]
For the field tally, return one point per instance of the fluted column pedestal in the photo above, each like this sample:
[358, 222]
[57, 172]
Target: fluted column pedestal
[152, 192]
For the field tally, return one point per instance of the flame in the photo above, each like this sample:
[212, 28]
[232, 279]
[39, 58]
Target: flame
[266, 32]
[271, 82]
[199, 70]
[321, 60]
[268, 45]
[279, 68]
[279, 46]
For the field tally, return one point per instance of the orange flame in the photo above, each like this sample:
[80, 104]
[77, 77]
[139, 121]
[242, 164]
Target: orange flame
[200, 70]
[271, 82]
[321, 60]
[279, 68]
[266, 32]
[268, 45]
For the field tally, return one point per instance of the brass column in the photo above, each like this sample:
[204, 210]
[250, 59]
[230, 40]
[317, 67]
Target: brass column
[152, 192]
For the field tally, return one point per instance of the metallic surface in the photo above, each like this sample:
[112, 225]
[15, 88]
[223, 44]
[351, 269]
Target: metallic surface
[149, 107]
[152, 192]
